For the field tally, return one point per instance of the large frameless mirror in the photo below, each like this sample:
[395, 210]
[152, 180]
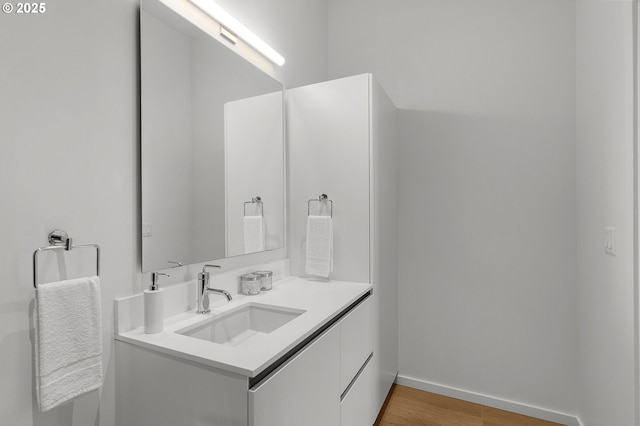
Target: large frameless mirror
[212, 146]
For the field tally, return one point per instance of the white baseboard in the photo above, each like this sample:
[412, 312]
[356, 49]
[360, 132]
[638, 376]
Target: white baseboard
[490, 401]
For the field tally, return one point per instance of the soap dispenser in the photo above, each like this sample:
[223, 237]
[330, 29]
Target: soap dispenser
[154, 306]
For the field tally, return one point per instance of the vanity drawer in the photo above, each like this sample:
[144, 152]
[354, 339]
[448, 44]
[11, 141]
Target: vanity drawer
[356, 342]
[357, 407]
[303, 391]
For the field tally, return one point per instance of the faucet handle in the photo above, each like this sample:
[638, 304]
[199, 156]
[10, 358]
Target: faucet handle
[204, 268]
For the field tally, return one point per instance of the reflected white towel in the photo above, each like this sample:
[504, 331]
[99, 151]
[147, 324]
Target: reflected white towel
[319, 246]
[253, 234]
[68, 340]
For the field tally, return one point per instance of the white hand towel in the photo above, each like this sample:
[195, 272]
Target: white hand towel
[253, 234]
[319, 246]
[68, 340]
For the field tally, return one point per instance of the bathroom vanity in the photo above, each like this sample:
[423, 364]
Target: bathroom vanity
[305, 359]
[306, 352]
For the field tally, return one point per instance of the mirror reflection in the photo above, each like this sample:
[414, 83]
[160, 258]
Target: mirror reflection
[212, 151]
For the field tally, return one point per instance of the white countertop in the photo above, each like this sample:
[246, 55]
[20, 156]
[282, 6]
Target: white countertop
[321, 300]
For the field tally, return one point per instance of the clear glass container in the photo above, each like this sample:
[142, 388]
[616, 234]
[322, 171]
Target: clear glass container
[266, 279]
[250, 284]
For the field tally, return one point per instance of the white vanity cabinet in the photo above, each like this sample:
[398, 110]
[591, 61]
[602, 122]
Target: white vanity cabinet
[322, 385]
[358, 407]
[356, 344]
[304, 391]
[358, 390]
[325, 380]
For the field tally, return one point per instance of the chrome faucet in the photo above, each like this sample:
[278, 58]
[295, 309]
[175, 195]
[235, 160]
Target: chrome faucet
[204, 290]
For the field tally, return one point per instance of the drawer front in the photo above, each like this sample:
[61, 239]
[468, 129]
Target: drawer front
[358, 406]
[304, 391]
[356, 341]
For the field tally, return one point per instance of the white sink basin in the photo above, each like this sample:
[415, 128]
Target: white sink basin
[242, 323]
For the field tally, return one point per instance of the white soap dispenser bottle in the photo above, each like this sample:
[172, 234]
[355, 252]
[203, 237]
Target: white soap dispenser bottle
[154, 306]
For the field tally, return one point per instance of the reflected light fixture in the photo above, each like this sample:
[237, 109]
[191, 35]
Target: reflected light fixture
[231, 24]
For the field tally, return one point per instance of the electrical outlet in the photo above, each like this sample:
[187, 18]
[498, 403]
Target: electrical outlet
[610, 241]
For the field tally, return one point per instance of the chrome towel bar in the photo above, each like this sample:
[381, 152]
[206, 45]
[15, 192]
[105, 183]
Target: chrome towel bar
[255, 200]
[321, 199]
[60, 240]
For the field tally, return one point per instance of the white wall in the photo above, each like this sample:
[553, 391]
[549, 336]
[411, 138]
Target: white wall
[487, 186]
[69, 131]
[294, 28]
[605, 148]
[68, 109]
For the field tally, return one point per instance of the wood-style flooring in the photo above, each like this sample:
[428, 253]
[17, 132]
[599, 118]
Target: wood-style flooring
[411, 407]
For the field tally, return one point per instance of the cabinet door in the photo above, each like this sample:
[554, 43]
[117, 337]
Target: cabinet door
[305, 390]
[356, 342]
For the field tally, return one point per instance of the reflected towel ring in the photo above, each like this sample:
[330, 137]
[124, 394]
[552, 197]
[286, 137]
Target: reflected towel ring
[255, 200]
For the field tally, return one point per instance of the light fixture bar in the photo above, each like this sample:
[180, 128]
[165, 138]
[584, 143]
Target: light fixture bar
[228, 35]
[232, 24]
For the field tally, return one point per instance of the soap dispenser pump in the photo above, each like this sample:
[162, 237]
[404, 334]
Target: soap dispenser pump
[154, 306]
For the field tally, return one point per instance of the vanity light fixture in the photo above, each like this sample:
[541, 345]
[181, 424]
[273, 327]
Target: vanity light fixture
[230, 24]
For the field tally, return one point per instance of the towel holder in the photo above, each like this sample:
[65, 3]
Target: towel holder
[60, 240]
[255, 200]
[323, 198]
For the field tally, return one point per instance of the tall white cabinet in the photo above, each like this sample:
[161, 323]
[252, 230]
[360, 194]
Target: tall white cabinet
[342, 141]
